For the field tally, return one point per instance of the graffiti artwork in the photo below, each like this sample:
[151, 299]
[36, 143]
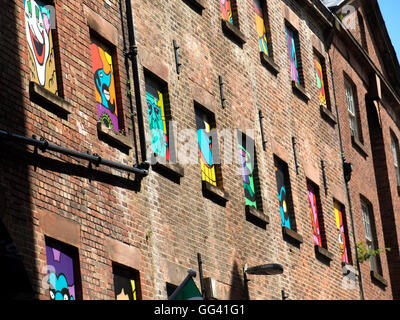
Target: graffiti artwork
[341, 232]
[261, 32]
[291, 45]
[314, 214]
[281, 188]
[157, 120]
[61, 274]
[104, 80]
[124, 288]
[40, 45]
[226, 10]
[320, 81]
[205, 149]
[247, 164]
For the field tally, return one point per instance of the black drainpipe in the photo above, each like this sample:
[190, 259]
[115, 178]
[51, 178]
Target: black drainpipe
[329, 43]
[132, 56]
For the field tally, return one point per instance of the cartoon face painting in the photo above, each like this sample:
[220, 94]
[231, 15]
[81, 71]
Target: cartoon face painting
[294, 74]
[103, 76]
[40, 43]
[226, 11]
[60, 274]
[247, 175]
[320, 81]
[280, 182]
[157, 120]
[314, 215]
[261, 32]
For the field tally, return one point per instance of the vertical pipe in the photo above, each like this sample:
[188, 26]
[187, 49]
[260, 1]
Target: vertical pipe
[221, 91]
[132, 55]
[295, 154]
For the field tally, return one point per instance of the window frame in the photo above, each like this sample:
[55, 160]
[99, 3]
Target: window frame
[350, 90]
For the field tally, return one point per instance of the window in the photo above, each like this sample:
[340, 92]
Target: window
[156, 97]
[63, 271]
[284, 194]
[320, 76]
[39, 22]
[395, 153]
[248, 162]
[316, 214]
[370, 234]
[352, 109]
[294, 56]
[104, 75]
[126, 283]
[341, 226]
[208, 146]
[261, 26]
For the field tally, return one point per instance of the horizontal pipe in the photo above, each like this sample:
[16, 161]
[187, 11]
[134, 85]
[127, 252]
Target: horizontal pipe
[44, 145]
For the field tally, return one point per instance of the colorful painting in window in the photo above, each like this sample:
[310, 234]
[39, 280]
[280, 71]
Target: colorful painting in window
[104, 80]
[125, 288]
[291, 45]
[40, 45]
[247, 163]
[157, 120]
[312, 199]
[341, 231]
[320, 81]
[208, 172]
[281, 187]
[60, 266]
[226, 10]
[260, 23]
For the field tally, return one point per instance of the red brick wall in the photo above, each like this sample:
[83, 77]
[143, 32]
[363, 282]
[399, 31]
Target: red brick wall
[164, 225]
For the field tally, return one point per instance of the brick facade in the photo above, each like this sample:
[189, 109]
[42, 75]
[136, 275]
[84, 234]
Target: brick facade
[158, 224]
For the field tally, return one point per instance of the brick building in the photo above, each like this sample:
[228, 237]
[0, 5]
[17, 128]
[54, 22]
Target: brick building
[100, 90]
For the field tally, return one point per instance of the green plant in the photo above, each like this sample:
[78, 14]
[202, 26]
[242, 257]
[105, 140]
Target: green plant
[363, 253]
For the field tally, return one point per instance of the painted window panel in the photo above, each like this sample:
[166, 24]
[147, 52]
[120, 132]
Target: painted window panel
[260, 24]
[125, 288]
[157, 120]
[282, 194]
[340, 226]
[226, 11]
[247, 163]
[291, 46]
[312, 199]
[39, 37]
[208, 170]
[104, 85]
[61, 273]
[319, 75]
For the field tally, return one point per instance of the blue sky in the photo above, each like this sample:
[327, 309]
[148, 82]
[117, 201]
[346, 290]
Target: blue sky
[391, 13]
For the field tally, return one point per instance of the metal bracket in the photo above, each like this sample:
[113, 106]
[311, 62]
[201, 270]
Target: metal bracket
[221, 91]
[260, 115]
[295, 154]
[324, 177]
[177, 60]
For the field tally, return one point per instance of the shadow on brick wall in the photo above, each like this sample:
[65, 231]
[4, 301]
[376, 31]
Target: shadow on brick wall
[17, 244]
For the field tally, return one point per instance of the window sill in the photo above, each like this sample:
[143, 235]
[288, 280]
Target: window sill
[359, 146]
[300, 91]
[172, 171]
[233, 32]
[269, 63]
[327, 114]
[258, 214]
[119, 141]
[378, 278]
[198, 5]
[323, 253]
[49, 101]
[214, 193]
[292, 236]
